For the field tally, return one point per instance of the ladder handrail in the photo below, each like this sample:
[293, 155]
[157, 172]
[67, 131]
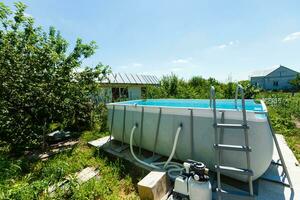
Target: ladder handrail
[212, 94]
[240, 89]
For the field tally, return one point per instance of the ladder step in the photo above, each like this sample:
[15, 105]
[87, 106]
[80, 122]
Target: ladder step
[232, 147]
[234, 195]
[221, 168]
[233, 126]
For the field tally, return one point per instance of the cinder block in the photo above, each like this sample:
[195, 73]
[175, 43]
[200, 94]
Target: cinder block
[154, 186]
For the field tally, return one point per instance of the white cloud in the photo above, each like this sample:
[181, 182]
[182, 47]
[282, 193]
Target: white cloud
[222, 46]
[231, 43]
[137, 64]
[181, 61]
[292, 36]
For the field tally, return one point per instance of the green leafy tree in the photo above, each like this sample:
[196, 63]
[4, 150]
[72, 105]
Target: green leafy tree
[250, 90]
[229, 90]
[39, 84]
[170, 85]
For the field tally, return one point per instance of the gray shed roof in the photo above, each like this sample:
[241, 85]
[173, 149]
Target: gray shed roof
[126, 78]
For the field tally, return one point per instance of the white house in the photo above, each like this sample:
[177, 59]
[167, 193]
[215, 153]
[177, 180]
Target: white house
[274, 79]
[127, 86]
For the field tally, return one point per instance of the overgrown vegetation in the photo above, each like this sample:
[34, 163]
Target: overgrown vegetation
[39, 84]
[197, 88]
[22, 178]
[284, 110]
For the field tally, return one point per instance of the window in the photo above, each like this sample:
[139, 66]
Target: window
[124, 92]
[115, 93]
[118, 93]
[275, 83]
[144, 92]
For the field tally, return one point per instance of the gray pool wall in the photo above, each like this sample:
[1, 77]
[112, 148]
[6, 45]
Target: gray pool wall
[197, 136]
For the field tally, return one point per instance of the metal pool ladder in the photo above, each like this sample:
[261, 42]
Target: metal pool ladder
[219, 147]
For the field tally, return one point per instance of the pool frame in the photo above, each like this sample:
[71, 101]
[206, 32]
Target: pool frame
[128, 115]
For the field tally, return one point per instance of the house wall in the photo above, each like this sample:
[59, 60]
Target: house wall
[258, 81]
[281, 75]
[277, 80]
[134, 92]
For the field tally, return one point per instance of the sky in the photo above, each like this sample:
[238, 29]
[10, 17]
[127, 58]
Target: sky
[221, 39]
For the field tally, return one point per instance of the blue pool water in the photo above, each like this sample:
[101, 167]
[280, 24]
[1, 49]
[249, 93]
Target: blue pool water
[251, 105]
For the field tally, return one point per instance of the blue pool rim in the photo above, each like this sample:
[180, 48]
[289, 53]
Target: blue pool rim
[134, 103]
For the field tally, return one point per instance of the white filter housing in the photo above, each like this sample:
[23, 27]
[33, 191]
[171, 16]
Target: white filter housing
[181, 186]
[199, 190]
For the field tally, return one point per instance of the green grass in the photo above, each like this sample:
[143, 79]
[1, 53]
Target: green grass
[26, 179]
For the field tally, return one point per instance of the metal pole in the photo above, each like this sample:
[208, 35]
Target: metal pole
[141, 134]
[279, 152]
[157, 131]
[111, 126]
[192, 134]
[236, 96]
[124, 118]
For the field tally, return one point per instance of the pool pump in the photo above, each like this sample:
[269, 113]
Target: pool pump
[193, 183]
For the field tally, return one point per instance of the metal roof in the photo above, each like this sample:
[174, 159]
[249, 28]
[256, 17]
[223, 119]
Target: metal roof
[126, 78]
[262, 72]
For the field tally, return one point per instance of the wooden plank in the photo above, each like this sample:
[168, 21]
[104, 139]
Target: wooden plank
[82, 176]
[99, 142]
[86, 174]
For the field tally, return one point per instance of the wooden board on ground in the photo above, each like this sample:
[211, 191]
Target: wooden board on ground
[99, 142]
[86, 174]
[54, 149]
[81, 177]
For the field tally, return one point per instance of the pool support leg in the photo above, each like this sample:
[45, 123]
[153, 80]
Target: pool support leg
[157, 131]
[192, 133]
[123, 147]
[123, 131]
[141, 131]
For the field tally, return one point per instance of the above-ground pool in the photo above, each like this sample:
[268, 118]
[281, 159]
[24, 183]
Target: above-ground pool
[158, 120]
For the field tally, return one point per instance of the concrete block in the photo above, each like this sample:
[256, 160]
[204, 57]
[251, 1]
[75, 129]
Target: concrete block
[154, 186]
